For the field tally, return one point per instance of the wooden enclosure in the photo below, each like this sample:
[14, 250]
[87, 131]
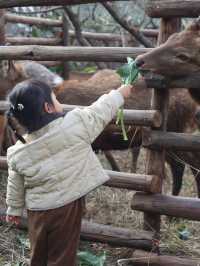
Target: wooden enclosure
[150, 199]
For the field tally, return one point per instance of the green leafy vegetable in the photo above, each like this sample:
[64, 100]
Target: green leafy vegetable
[88, 259]
[128, 73]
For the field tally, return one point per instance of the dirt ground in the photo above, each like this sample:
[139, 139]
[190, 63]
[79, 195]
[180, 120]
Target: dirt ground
[112, 206]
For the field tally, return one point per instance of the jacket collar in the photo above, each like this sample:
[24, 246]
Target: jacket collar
[44, 130]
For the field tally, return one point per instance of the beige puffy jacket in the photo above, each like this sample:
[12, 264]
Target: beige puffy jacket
[58, 165]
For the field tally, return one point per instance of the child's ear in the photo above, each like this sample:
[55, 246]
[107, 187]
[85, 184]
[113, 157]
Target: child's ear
[48, 108]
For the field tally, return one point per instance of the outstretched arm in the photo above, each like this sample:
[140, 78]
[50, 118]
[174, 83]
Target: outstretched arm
[96, 117]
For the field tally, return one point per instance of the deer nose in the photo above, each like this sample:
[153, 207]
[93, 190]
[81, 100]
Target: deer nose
[139, 62]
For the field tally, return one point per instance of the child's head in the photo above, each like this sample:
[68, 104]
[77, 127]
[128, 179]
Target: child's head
[33, 104]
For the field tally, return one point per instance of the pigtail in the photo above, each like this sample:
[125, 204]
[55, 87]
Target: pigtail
[10, 121]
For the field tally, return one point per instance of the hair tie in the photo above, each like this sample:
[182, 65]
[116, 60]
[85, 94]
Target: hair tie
[20, 106]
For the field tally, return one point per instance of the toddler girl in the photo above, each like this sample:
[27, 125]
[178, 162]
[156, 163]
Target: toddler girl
[53, 167]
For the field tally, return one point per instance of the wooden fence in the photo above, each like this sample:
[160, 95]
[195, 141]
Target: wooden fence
[149, 198]
[67, 36]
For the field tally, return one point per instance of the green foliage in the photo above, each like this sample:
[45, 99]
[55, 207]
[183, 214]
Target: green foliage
[120, 120]
[183, 232]
[23, 241]
[35, 32]
[128, 73]
[86, 258]
[90, 69]
[57, 69]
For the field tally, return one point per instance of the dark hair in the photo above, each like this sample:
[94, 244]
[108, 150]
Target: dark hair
[27, 106]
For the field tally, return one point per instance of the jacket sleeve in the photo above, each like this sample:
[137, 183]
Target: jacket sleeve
[96, 117]
[15, 193]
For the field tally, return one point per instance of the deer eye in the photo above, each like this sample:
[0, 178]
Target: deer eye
[183, 57]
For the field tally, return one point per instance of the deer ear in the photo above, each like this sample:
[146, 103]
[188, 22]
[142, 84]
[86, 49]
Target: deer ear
[13, 71]
[195, 25]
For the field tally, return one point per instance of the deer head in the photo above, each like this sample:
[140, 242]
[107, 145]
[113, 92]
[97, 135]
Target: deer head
[178, 56]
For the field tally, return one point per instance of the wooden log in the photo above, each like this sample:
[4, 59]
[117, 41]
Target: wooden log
[150, 118]
[2, 27]
[150, 33]
[106, 54]
[183, 207]
[158, 140]
[4, 105]
[18, 3]
[146, 183]
[65, 30]
[131, 117]
[117, 179]
[3, 69]
[142, 258]
[50, 63]
[3, 163]
[33, 41]
[110, 158]
[172, 8]
[115, 236]
[33, 20]
[111, 37]
[11, 18]
[160, 101]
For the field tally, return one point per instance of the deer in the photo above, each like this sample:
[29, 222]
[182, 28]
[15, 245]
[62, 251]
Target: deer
[179, 57]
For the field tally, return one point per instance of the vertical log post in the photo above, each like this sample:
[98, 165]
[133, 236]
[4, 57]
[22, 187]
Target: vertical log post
[160, 101]
[65, 27]
[2, 27]
[2, 69]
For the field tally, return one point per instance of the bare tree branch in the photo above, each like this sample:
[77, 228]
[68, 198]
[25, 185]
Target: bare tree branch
[75, 21]
[132, 30]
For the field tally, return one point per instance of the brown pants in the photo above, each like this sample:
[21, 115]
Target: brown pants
[54, 235]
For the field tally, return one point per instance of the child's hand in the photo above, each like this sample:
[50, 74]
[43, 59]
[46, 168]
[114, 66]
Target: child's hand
[125, 90]
[13, 219]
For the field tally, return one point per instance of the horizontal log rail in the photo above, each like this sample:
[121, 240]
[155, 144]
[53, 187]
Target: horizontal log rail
[115, 236]
[131, 117]
[50, 63]
[104, 54]
[3, 163]
[122, 180]
[33, 41]
[40, 53]
[149, 118]
[16, 3]
[146, 183]
[142, 258]
[172, 8]
[58, 41]
[170, 140]
[11, 18]
[183, 207]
